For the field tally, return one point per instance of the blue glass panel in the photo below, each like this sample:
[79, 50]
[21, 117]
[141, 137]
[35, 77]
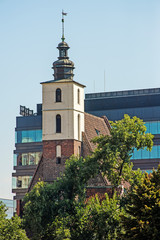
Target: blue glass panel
[154, 127]
[148, 127]
[137, 154]
[19, 137]
[158, 127]
[25, 137]
[158, 149]
[145, 154]
[15, 137]
[132, 157]
[147, 171]
[154, 152]
[28, 136]
[14, 185]
[32, 136]
[15, 160]
[38, 135]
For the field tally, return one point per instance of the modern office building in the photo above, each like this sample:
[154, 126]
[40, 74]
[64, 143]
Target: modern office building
[10, 206]
[143, 103]
[28, 144]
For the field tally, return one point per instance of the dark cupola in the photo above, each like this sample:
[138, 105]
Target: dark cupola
[63, 67]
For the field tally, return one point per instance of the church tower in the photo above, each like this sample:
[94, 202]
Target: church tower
[63, 114]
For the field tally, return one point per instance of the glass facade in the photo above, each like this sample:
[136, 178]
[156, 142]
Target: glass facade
[144, 154]
[9, 205]
[28, 136]
[24, 159]
[153, 127]
[148, 171]
[21, 182]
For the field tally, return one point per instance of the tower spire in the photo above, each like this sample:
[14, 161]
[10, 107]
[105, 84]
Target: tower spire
[63, 14]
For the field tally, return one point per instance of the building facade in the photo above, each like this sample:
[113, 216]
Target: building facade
[44, 141]
[27, 153]
[65, 124]
[143, 103]
[10, 207]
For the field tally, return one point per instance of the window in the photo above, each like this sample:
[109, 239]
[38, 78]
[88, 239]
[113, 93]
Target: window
[29, 136]
[97, 131]
[21, 181]
[62, 53]
[58, 160]
[58, 154]
[58, 123]
[153, 127]
[78, 96]
[58, 151]
[145, 154]
[30, 158]
[58, 95]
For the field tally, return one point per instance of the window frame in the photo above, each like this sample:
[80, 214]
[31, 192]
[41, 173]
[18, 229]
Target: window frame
[58, 124]
[58, 95]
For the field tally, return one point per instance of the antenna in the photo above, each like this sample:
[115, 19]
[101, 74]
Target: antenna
[63, 14]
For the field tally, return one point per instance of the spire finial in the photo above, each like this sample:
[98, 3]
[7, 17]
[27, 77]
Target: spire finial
[63, 14]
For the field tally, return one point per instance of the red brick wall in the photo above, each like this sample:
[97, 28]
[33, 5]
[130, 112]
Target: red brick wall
[52, 170]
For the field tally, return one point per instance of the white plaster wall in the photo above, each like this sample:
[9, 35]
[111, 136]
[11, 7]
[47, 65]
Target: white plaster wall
[49, 95]
[79, 107]
[76, 124]
[68, 109]
[49, 125]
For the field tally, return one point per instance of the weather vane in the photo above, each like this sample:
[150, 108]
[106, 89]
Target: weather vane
[63, 14]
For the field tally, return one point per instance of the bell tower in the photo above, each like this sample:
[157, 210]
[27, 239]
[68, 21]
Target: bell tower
[63, 114]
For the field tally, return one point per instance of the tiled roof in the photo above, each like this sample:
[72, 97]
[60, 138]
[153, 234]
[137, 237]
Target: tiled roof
[95, 126]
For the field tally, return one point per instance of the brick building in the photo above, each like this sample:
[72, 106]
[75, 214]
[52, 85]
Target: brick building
[66, 130]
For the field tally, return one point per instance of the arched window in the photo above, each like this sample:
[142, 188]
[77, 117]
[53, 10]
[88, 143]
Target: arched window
[78, 96]
[58, 95]
[58, 123]
[58, 154]
[79, 130]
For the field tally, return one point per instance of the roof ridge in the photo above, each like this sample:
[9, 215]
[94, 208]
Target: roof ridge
[88, 142]
[93, 116]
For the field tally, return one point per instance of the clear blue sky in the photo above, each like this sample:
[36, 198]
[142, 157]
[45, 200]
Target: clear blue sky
[119, 36]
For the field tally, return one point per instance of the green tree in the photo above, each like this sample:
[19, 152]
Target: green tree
[47, 201]
[10, 229]
[101, 219]
[96, 220]
[64, 200]
[114, 151]
[143, 210]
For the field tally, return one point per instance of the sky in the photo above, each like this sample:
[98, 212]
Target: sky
[120, 38]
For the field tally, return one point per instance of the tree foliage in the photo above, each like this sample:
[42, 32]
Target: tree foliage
[60, 211]
[10, 229]
[143, 210]
[47, 201]
[114, 151]
[101, 219]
